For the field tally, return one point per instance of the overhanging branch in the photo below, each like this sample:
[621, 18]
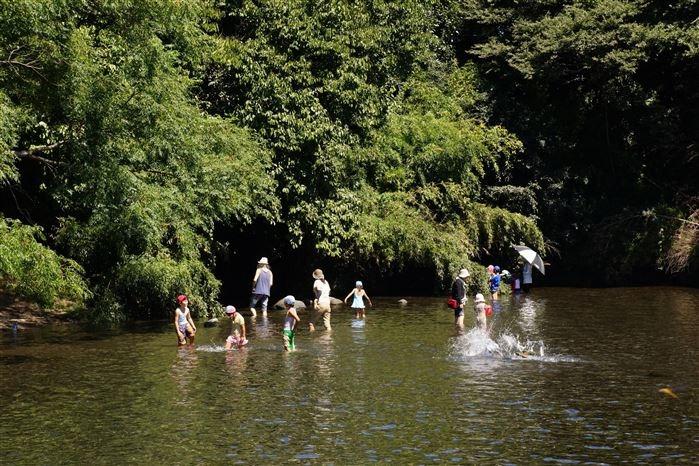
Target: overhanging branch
[30, 153]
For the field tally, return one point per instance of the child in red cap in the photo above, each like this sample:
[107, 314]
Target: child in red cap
[184, 326]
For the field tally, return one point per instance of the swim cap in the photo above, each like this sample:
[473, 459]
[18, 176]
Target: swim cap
[289, 300]
[358, 283]
[181, 298]
[230, 309]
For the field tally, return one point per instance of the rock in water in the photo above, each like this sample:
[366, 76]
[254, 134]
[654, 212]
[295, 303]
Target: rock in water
[298, 304]
[211, 322]
[335, 301]
[402, 302]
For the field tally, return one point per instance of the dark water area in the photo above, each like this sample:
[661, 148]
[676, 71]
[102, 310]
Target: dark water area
[565, 376]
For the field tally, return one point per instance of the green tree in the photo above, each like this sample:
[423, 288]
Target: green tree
[136, 173]
[603, 96]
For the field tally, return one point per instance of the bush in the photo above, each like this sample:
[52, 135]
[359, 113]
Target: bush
[33, 271]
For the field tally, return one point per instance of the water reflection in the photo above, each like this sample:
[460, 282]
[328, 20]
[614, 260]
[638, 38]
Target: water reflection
[183, 372]
[527, 314]
[236, 365]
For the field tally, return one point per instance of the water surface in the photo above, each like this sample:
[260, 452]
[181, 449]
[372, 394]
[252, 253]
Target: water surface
[567, 376]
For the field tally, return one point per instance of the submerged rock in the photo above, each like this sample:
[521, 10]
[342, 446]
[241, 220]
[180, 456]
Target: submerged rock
[211, 322]
[402, 302]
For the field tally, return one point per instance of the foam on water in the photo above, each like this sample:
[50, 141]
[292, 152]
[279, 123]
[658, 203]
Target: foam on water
[476, 343]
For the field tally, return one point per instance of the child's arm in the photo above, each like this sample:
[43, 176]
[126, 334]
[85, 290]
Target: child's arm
[350, 294]
[295, 315]
[368, 299]
[189, 319]
[271, 278]
[242, 327]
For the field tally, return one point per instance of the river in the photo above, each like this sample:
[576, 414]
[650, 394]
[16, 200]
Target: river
[403, 387]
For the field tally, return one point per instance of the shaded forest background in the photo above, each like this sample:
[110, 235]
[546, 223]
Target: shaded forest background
[154, 147]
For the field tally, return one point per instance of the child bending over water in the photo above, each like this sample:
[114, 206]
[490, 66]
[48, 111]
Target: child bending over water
[184, 326]
[237, 336]
[358, 301]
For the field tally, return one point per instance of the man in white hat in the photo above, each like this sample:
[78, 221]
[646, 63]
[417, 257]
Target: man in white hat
[261, 286]
[458, 293]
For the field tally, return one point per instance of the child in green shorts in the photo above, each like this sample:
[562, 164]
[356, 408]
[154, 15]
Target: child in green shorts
[290, 323]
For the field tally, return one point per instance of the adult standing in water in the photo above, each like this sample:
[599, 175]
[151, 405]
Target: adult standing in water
[458, 293]
[321, 302]
[527, 277]
[261, 285]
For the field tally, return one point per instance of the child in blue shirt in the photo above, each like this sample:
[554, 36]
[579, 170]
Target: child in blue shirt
[494, 282]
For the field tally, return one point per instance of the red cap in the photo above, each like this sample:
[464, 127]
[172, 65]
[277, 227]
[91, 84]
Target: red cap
[181, 298]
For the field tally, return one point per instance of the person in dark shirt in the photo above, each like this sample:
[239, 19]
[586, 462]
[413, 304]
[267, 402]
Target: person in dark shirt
[458, 293]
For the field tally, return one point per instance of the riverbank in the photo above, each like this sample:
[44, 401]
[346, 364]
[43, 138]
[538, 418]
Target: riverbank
[26, 314]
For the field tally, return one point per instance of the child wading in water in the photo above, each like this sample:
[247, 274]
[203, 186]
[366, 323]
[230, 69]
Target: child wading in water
[479, 309]
[358, 301]
[184, 326]
[290, 323]
[238, 335]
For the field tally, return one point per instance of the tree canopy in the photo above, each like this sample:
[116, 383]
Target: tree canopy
[140, 140]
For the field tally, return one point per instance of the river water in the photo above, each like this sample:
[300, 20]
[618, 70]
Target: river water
[401, 388]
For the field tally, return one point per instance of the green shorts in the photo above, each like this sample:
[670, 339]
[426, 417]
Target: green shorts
[289, 339]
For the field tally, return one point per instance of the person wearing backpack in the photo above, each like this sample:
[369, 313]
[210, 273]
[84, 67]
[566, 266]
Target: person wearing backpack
[458, 294]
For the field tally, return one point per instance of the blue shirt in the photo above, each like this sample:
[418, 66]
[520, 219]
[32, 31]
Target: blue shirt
[494, 283]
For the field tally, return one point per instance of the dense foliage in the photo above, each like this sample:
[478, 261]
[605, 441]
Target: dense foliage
[603, 95]
[150, 138]
[34, 271]
[97, 104]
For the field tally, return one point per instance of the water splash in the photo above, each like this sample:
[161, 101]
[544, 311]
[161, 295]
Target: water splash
[211, 348]
[476, 343]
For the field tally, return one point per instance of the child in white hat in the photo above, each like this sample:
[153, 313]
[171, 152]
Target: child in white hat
[290, 321]
[479, 308]
[358, 300]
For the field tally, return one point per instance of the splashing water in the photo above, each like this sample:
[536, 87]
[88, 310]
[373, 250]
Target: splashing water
[211, 348]
[505, 346]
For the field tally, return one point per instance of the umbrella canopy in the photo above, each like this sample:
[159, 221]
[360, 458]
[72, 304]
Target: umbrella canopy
[531, 256]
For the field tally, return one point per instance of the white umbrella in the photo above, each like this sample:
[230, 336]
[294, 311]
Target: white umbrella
[531, 256]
